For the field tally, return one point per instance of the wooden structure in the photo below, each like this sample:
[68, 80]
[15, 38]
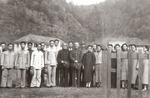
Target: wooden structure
[106, 81]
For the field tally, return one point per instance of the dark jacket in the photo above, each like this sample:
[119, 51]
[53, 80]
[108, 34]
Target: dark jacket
[63, 55]
[76, 54]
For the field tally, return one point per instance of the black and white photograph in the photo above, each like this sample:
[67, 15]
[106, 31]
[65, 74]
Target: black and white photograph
[74, 48]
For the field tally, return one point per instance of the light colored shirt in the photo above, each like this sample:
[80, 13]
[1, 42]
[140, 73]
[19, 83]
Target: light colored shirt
[37, 60]
[22, 59]
[51, 56]
[98, 56]
[8, 59]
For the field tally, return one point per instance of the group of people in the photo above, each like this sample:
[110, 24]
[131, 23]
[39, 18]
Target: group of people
[70, 64]
[134, 68]
[67, 65]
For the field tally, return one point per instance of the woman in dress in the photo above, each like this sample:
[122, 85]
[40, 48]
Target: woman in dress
[124, 68]
[135, 65]
[88, 66]
[145, 68]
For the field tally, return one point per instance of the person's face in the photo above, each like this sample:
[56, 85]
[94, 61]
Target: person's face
[83, 45]
[76, 45]
[3, 46]
[90, 49]
[117, 47]
[29, 46]
[99, 48]
[133, 48]
[10, 47]
[56, 43]
[39, 47]
[52, 43]
[110, 47]
[70, 45]
[144, 49]
[125, 47]
[22, 45]
[94, 46]
[42, 46]
[64, 46]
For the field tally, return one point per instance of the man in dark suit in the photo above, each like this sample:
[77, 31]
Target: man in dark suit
[63, 60]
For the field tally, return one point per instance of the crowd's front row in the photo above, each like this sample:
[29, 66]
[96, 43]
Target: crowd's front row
[64, 66]
[69, 65]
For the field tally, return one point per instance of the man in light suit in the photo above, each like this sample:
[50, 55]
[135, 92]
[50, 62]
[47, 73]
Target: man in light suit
[37, 62]
[8, 63]
[22, 64]
[51, 63]
[3, 45]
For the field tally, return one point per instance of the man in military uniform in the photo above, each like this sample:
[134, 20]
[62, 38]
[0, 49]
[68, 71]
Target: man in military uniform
[63, 60]
[8, 63]
[76, 59]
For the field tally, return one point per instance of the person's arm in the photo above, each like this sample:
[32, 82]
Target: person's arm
[46, 56]
[83, 61]
[2, 60]
[71, 57]
[80, 57]
[32, 59]
[59, 57]
[28, 60]
[94, 61]
[16, 59]
[137, 64]
[42, 62]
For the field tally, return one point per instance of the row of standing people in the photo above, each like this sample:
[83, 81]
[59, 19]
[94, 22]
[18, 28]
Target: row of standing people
[135, 66]
[55, 66]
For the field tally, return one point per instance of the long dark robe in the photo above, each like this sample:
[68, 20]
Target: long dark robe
[88, 62]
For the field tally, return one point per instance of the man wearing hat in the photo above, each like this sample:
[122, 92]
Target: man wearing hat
[63, 60]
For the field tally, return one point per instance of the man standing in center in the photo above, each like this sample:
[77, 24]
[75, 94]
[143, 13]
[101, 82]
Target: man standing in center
[51, 63]
[76, 64]
[63, 59]
[37, 63]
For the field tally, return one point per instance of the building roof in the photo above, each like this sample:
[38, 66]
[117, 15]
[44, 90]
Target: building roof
[37, 39]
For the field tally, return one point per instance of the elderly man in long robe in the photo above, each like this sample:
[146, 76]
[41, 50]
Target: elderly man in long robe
[88, 65]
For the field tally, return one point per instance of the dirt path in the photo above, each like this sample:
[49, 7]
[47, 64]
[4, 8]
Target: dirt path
[58, 92]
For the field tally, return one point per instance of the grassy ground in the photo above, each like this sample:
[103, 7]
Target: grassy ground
[58, 92]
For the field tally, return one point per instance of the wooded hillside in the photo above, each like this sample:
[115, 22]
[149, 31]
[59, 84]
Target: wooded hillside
[66, 21]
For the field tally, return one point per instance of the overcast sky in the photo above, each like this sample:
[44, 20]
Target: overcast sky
[85, 2]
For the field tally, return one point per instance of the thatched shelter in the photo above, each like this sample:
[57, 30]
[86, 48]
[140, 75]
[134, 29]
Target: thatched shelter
[37, 39]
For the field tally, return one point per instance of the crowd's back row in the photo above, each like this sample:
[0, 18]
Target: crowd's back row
[66, 65]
